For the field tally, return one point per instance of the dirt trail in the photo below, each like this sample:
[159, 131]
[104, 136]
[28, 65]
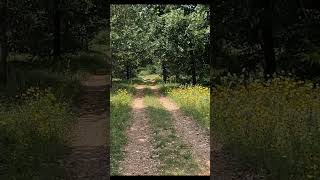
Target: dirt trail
[139, 158]
[89, 159]
[190, 133]
[225, 166]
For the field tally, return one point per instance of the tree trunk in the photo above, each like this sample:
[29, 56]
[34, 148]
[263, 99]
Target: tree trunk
[193, 71]
[4, 64]
[128, 72]
[87, 43]
[267, 38]
[177, 77]
[4, 45]
[164, 72]
[56, 31]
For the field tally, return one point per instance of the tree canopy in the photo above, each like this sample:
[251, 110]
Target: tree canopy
[173, 38]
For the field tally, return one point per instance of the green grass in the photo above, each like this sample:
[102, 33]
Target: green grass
[37, 108]
[151, 77]
[147, 91]
[175, 156]
[34, 136]
[193, 100]
[120, 115]
[165, 88]
[123, 84]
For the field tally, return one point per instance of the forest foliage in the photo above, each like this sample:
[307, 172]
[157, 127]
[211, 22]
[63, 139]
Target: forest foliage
[172, 38]
[46, 50]
[265, 92]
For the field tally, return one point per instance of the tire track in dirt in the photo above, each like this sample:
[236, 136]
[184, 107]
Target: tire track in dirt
[139, 159]
[89, 153]
[191, 134]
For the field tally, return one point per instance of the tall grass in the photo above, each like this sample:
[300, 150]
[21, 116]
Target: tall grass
[193, 100]
[274, 125]
[33, 136]
[120, 114]
[37, 107]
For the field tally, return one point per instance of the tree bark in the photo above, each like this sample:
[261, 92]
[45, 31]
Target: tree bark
[128, 72]
[164, 72]
[4, 64]
[4, 45]
[56, 31]
[193, 71]
[177, 77]
[267, 38]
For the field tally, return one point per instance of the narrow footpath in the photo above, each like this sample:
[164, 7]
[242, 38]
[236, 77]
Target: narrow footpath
[89, 159]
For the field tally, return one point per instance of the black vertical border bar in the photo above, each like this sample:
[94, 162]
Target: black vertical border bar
[108, 88]
[211, 60]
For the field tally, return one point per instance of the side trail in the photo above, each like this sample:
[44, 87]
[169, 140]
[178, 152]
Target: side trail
[89, 157]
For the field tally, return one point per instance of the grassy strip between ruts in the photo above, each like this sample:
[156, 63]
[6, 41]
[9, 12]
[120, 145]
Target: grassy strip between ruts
[176, 158]
[120, 115]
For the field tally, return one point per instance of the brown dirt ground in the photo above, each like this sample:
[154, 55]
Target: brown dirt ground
[139, 159]
[225, 166]
[189, 131]
[89, 157]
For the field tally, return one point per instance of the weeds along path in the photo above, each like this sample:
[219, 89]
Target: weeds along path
[88, 159]
[189, 131]
[139, 158]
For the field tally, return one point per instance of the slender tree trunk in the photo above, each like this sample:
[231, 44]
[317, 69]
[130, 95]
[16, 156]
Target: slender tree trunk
[4, 45]
[177, 77]
[85, 39]
[87, 43]
[4, 63]
[56, 31]
[193, 68]
[164, 72]
[128, 72]
[267, 38]
[194, 74]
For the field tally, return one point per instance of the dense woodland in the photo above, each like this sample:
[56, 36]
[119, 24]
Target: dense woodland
[268, 36]
[170, 40]
[46, 49]
[45, 32]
